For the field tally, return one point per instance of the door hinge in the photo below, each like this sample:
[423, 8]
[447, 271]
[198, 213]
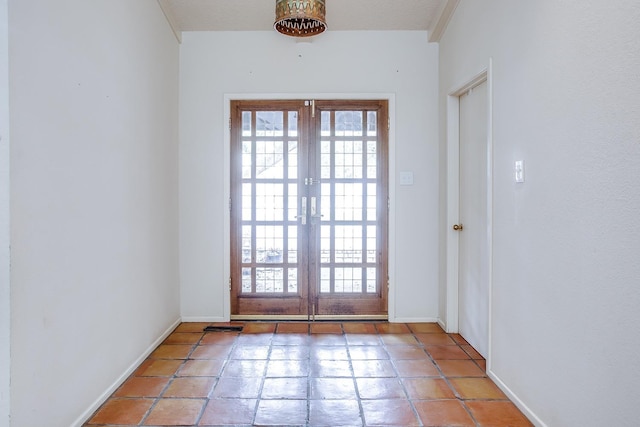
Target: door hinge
[229, 284]
[388, 204]
[229, 204]
[229, 123]
[388, 123]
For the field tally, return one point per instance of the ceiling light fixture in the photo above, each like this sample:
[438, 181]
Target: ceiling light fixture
[300, 18]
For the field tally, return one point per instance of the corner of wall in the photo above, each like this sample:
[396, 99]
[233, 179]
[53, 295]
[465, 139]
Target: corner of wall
[5, 254]
[121, 379]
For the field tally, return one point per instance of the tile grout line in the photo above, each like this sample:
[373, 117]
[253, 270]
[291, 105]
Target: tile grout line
[262, 378]
[353, 377]
[173, 377]
[384, 345]
[446, 379]
[224, 364]
[415, 411]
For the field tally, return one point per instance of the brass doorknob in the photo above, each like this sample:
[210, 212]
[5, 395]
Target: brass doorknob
[457, 227]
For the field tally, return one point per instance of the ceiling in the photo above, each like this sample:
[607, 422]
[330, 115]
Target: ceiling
[342, 15]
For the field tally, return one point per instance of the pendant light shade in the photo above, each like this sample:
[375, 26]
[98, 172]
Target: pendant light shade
[300, 18]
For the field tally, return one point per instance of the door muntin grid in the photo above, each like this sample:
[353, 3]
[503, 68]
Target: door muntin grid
[350, 206]
[269, 203]
[309, 208]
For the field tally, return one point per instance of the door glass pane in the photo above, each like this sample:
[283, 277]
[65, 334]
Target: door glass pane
[269, 123]
[246, 123]
[348, 244]
[372, 160]
[292, 252]
[292, 207]
[325, 123]
[269, 202]
[371, 280]
[325, 200]
[269, 244]
[247, 202]
[246, 244]
[293, 123]
[348, 280]
[372, 202]
[269, 280]
[269, 160]
[246, 159]
[348, 199]
[348, 123]
[246, 280]
[372, 244]
[292, 160]
[325, 244]
[348, 169]
[348, 159]
[372, 123]
[292, 282]
[325, 159]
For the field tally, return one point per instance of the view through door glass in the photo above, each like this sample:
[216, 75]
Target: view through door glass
[309, 189]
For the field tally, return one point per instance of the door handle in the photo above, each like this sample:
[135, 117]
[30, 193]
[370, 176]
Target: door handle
[314, 209]
[303, 210]
[458, 227]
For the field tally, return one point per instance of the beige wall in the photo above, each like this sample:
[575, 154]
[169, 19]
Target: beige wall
[397, 65]
[94, 199]
[5, 305]
[565, 260]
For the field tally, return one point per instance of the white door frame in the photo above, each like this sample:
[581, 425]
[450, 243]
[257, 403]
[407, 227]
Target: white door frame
[453, 195]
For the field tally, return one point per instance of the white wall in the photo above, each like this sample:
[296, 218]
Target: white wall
[94, 203]
[566, 242]
[215, 64]
[5, 305]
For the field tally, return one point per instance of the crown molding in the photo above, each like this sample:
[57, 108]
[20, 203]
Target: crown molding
[439, 24]
[166, 9]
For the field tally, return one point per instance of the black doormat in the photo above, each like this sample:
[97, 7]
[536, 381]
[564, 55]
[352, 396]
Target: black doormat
[223, 329]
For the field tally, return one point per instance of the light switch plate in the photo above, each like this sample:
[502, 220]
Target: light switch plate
[406, 178]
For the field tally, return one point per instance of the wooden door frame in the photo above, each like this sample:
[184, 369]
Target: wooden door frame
[224, 203]
[453, 198]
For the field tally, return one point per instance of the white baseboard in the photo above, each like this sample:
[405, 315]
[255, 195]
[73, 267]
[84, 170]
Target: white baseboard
[204, 319]
[516, 400]
[103, 398]
[413, 320]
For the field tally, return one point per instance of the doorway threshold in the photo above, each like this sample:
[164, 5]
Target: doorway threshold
[305, 318]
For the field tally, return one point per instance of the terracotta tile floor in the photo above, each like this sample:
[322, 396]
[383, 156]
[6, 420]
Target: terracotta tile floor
[311, 374]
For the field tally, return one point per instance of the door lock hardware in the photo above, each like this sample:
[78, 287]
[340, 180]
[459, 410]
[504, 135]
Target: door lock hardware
[314, 208]
[458, 227]
[303, 210]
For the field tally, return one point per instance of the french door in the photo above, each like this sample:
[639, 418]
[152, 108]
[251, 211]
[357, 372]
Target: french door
[309, 208]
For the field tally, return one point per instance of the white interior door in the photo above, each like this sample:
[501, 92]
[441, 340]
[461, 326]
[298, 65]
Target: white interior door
[473, 274]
